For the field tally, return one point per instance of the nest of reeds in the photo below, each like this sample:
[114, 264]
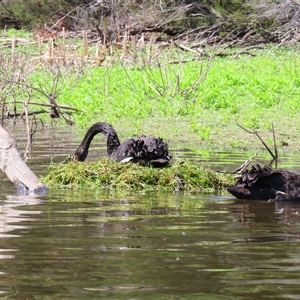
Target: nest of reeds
[106, 173]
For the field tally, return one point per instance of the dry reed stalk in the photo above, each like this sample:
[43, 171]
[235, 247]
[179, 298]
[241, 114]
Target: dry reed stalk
[28, 131]
[100, 54]
[13, 45]
[63, 47]
[2, 112]
[124, 46]
[141, 42]
[171, 49]
[134, 50]
[50, 49]
[104, 39]
[85, 45]
[97, 50]
[64, 37]
[151, 56]
[111, 52]
[39, 41]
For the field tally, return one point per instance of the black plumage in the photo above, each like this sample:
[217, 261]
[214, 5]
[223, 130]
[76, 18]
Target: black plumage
[145, 150]
[265, 183]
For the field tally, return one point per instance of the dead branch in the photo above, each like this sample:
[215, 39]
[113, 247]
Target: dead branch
[182, 61]
[246, 51]
[27, 154]
[275, 157]
[220, 53]
[242, 167]
[12, 164]
[185, 48]
[274, 141]
[50, 105]
[54, 110]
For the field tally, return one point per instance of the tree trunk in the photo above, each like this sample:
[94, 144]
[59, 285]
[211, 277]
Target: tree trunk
[15, 168]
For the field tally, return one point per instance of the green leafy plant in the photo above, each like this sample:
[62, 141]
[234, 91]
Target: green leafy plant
[202, 131]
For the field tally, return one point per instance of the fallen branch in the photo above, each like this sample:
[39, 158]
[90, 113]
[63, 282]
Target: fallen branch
[246, 51]
[15, 115]
[220, 53]
[54, 107]
[15, 168]
[48, 105]
[185, 48]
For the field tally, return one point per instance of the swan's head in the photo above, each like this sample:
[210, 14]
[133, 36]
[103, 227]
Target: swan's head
[81, 153]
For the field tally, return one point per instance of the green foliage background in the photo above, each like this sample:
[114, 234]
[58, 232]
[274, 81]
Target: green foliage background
[247, 84]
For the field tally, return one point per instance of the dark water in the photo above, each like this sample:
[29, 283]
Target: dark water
[115, 245]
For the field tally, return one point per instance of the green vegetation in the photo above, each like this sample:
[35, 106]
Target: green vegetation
[108, 174]
[170, 69]
[199, 100]
[246, 84]
[189, 100]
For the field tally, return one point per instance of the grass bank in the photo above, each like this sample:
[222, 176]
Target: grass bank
[190, 100]
[196, 103]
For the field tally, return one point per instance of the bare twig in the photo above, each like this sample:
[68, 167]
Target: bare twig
[28, 130]
[185, 48]
[274, 141]
[258, 136]
[62, 18]
[246, 51]
[242, 167]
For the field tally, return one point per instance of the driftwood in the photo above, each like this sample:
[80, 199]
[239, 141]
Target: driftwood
[15, 168]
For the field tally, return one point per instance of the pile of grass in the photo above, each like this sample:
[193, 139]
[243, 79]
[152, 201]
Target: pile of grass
[106, 173]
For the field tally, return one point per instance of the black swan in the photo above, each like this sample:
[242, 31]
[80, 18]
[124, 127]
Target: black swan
[142, 150]
[265, 183]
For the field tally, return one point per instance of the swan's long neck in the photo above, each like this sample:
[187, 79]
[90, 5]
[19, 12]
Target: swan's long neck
[112, 140]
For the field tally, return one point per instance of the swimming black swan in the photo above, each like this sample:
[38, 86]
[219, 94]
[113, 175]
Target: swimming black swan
[142, 150]
[265, 183]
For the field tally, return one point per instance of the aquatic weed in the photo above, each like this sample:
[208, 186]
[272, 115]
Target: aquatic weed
[105, 173]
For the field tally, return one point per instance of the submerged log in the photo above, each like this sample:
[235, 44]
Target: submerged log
[15, 168]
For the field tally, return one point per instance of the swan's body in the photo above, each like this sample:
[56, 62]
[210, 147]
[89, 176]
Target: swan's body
[142, 150]
[265, 183]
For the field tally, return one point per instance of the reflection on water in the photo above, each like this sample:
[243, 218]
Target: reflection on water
[85, 244]
[149, 246]
[11, 216]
